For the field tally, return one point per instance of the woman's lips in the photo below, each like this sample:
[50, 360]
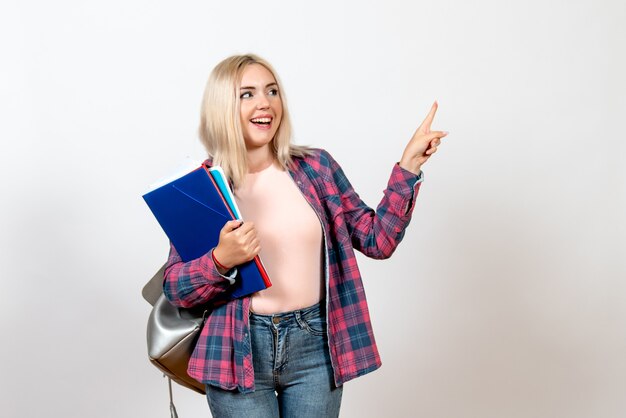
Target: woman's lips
[262, 122]
[263, 127]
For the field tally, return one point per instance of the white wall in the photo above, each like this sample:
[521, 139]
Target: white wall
[506, 298]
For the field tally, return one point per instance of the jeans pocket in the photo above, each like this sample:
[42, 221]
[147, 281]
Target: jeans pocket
[313, 324]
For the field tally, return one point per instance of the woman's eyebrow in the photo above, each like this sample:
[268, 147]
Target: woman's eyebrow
[254, 88]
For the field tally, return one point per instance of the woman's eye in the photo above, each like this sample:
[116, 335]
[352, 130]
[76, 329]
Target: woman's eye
[273, 92]
[245, 95]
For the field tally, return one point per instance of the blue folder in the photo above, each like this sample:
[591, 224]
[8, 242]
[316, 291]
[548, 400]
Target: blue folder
[192, 211]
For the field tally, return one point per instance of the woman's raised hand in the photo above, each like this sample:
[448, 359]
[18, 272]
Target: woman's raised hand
[423, 144]
[237, 244]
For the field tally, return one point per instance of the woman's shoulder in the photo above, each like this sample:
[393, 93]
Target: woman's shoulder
[319, 164]
[319, 158]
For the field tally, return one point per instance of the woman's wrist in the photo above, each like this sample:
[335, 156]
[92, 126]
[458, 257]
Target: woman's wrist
[414, 168]
[218, 265]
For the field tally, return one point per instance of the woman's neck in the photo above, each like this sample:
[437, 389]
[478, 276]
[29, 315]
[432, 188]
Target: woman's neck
[259, 159]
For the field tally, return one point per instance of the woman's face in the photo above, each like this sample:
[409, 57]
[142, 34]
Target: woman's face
[261, 106]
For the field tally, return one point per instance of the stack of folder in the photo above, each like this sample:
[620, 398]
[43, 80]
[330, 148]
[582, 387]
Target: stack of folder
[192, 210]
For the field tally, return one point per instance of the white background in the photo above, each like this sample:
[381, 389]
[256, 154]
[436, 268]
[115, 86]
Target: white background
[506, 298]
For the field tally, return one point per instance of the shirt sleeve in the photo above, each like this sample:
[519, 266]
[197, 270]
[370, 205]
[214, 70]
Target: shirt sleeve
[413, 181]
[194, 282]
[377, 233]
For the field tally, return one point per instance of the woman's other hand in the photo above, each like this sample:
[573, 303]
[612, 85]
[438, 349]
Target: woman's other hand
[237, 244]
[423, 144]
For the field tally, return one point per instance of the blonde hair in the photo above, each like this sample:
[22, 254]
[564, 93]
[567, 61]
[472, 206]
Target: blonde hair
[220, 126]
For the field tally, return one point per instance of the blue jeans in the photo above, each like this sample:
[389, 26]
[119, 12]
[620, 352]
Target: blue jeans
[293, 375]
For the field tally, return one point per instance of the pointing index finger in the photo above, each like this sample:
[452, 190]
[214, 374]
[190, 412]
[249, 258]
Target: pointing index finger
[425, 126]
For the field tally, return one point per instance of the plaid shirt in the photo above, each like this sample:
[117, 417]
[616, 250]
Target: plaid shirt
[223, 357]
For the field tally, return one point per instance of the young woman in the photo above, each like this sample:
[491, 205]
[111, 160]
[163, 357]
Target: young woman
[286, 351]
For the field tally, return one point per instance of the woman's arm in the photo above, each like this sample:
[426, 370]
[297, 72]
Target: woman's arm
[202, 280]
[194, 282]
[377, 233]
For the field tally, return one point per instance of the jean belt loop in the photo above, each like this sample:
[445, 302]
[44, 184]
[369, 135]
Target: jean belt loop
[299, 321]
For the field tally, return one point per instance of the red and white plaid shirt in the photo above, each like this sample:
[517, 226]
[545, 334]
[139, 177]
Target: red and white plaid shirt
[223, 357]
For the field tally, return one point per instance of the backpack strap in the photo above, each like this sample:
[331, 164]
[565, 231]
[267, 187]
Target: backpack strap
[153, 289]
[173, 412]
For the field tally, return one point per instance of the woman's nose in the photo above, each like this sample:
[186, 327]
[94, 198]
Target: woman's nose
[262, 102]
